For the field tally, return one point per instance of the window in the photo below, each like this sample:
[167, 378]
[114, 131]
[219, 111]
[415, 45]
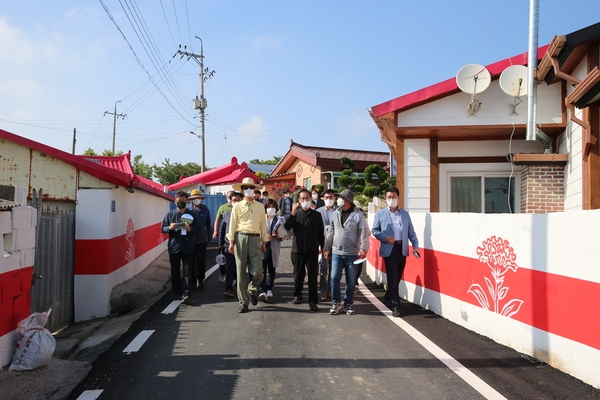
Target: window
[466, 194]
[307, 183]
[479, 188]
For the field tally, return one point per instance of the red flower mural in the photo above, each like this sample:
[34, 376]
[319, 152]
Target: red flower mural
[499, 257]
[129, 234]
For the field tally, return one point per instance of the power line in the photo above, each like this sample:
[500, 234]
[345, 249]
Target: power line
[141, 64]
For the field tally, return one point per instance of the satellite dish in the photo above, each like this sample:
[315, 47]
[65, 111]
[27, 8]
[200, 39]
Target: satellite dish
[473, 79]
[513, 80]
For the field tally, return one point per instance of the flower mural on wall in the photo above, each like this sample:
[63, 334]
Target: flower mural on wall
[129, 234]
[500, 258]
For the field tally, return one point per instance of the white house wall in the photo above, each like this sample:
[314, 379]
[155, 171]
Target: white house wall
[417, 161]
[117, 235]
[495, 110]
[546, 273]
[487, 148]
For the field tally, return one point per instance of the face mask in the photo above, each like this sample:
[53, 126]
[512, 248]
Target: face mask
[329, 202]
[315, 196]
[305, 205]
[392, 202]
[341, 202]
[287, 195]
[249, 193]
[181, 204]
[270, 212]
[197, 201]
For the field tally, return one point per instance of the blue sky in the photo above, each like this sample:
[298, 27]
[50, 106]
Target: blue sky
[307, 71]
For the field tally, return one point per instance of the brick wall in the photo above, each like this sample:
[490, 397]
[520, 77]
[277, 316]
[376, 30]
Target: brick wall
[17, 227]
[542, 189]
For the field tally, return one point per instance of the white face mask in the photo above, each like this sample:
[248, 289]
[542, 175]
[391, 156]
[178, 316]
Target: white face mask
[305, 205]
[249, 193]
[315, 196]
[286, 195]
[341, 202]
[270, 212]
[197, 201]
[392, 202]
[329, 202]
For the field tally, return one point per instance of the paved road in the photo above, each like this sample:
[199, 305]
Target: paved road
[285, 351]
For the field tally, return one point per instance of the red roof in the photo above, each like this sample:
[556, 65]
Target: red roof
[115, 172]
[445, 88]
[228, 173]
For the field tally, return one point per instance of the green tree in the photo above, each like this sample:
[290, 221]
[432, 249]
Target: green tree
[141, 168]
[261, 175]
[274, 161]
[108, 152]
[168, 173]
[346, 180]
[89, 152]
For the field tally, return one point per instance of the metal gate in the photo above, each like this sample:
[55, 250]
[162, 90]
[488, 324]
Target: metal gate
[54, 267]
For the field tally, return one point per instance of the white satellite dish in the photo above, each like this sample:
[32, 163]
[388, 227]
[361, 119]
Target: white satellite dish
[473, 79]
[513, 80]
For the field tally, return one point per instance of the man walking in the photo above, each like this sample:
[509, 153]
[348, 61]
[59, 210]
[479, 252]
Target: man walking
[202, 217]
[224, 207]
[325, 263]
[247, 241]
[231, 269]
[181, 227]
[347, 240]
[393, 227]
[308, 237]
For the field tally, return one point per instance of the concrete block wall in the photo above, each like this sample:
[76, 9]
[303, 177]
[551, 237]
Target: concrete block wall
[17, 227]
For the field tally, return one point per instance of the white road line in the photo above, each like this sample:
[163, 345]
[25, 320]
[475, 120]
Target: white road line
[473, 380]
[138, 342]
[90, 395]
[171, 307]
[213, 269]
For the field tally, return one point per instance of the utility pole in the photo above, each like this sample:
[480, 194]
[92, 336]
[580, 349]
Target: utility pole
[74, 138]
[115, 123]
[200, 103]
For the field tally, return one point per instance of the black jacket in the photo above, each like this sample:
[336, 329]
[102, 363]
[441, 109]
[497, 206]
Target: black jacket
[179, 243]
[308, 231]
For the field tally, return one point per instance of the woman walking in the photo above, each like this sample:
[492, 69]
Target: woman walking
[270, 258]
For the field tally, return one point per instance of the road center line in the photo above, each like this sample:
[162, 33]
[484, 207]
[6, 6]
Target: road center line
[473, 380]
[137, 343]
[171, 307]
[213, 269]
[90, 395]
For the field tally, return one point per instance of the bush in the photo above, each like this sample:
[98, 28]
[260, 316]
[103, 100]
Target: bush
[370, 191]
[358, 189]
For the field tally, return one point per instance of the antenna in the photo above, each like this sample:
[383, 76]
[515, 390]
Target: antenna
[514, 82]
[473, 79]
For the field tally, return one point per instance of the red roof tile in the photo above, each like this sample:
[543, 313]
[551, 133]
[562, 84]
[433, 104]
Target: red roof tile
[228, 173]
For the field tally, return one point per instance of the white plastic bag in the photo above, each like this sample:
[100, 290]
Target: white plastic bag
[35, 345]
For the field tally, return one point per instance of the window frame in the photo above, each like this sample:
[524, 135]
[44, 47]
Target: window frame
[487, 170]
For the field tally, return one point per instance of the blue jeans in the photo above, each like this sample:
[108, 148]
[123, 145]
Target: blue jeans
[346, 263]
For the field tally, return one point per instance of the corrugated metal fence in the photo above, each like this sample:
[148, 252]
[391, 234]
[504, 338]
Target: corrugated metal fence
[54, 263]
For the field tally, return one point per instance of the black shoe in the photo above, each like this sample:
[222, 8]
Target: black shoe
[388, 302]
[201, 286]
[253, 299]
[297, 300]
[396, 313]
[313, 307]
[185, 299]
[243, 308]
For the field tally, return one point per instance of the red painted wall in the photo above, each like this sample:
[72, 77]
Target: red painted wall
[15, 298]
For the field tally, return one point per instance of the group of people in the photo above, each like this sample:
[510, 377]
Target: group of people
[329, 233]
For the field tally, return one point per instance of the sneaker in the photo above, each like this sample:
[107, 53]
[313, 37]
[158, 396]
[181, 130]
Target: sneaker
[335, 309]
[185, 299]
[222, 278]
[263, 297]
[269, 293]
[228, 293]
[349, 310]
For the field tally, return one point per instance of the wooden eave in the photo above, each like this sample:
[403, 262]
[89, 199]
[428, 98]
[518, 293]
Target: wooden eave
[478, 132]
[540, 159]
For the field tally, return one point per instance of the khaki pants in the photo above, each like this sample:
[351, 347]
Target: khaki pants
[247, 254]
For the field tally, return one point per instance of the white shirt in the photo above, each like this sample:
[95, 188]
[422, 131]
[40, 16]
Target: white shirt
[396, 223]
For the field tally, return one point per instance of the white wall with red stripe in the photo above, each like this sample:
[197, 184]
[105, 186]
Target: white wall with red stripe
[528, 281]
[117, 235]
